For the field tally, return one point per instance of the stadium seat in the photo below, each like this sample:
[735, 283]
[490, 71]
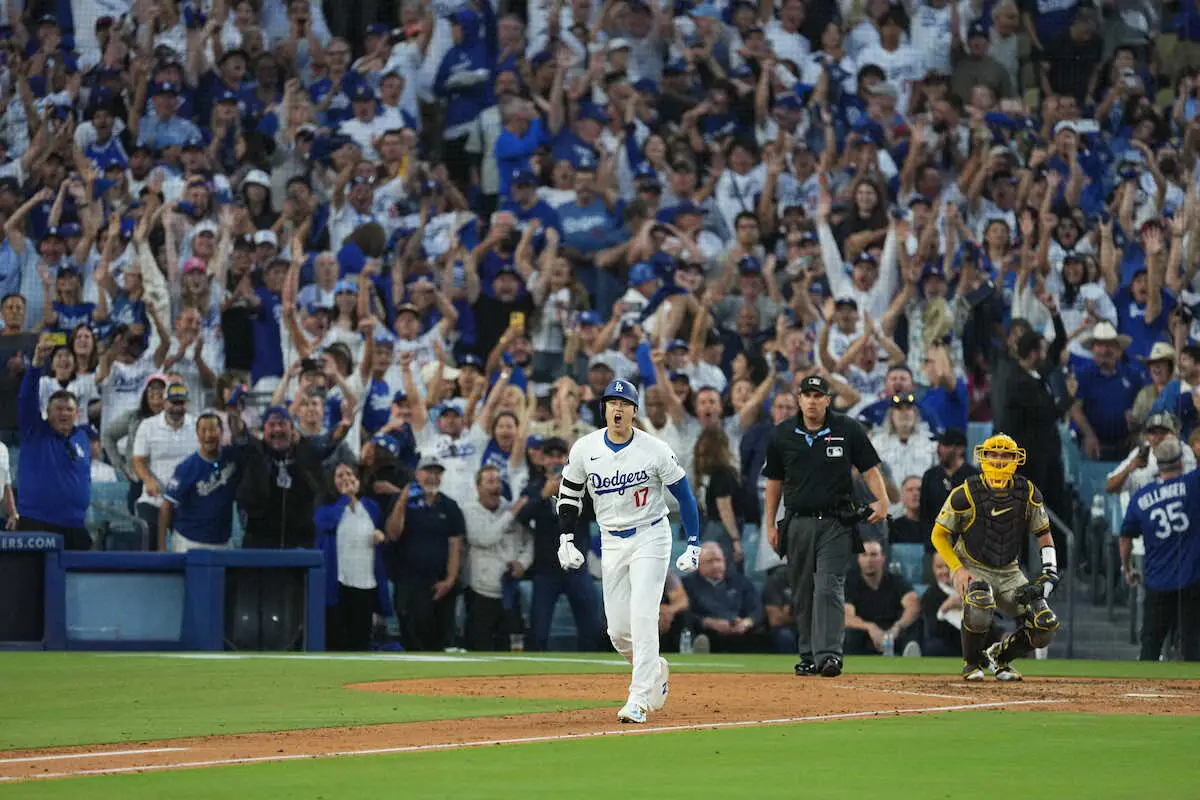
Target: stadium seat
[908, 560]
[977, 432]
[110, 523]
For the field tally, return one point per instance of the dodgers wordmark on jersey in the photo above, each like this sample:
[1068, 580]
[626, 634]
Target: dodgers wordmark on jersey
[627, 482]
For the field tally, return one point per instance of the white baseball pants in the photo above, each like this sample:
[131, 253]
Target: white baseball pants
[634, 572]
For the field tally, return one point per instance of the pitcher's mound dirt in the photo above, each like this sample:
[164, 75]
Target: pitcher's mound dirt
[697, 701]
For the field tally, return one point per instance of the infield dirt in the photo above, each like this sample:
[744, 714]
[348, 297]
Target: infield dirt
[697, 701]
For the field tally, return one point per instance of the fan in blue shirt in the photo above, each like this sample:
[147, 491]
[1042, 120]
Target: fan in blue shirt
[68, 311]
[1107, 389]
[268, 346]
[55, 470]
[199, 497]
[1140, 315]
[526, 206]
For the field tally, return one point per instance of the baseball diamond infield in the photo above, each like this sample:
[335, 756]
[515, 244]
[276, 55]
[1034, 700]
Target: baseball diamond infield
[697, 702]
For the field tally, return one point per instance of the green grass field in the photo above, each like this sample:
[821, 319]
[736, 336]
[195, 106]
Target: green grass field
[57, 699]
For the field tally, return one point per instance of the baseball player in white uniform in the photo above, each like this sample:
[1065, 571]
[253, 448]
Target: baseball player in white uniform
[626, 470]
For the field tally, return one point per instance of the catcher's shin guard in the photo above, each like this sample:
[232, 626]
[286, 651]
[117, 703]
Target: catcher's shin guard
[1038, 623]
[978, 608]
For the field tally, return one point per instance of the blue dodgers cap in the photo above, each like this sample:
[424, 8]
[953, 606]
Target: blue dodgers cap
[646, 85]
[345, 286]
[226, 96]
[705, 11]
[471, 360]
[643, 171]
[977, 29]
[534, 442]
[377, 29]
[387, 442]
[362, 93]
[933, 269]
[749, 265]
[677, 344]
[677, 66]
[166, 87]
[523, 177]
[197, 141]
[620, 390]
[641, 273]
[686, 207]
[789, 102]
[590, 318]
[866, 258]
[449, 408]
[593, 112]
[400, 396]
[276, 412]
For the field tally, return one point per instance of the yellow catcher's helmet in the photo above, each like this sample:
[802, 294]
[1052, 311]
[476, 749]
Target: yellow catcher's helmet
[998, 459]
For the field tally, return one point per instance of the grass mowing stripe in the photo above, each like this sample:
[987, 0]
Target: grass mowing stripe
[626, 731]
[64, 698]
[1048, 754]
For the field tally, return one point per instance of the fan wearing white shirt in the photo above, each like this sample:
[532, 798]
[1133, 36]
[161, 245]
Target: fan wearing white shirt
[784, 34]
[625, 471]
[932, 34]
[902, 64]
[364, 127]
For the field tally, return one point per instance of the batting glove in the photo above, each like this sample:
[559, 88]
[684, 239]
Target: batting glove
[689, 562]
[569, 556]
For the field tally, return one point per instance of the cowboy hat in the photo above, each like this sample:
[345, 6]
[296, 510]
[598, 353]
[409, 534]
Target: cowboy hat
[1105, 332]
[1161, 352]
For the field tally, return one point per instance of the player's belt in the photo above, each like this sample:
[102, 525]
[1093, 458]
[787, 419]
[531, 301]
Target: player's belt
[627, 532]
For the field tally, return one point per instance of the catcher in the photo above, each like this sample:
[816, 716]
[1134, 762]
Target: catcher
[992, 513]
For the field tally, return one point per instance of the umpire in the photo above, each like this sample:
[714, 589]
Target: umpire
[809, 461]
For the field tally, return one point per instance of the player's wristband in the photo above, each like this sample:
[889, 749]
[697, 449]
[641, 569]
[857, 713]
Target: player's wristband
[1049, 559]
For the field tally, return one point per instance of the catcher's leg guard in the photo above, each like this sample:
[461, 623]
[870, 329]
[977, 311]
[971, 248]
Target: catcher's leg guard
[1038, 624]
[979, 606]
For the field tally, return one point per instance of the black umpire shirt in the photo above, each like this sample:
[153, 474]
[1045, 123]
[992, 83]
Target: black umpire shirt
[815, 465]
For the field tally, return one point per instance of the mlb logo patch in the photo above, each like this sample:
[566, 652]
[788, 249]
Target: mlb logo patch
[833, 452]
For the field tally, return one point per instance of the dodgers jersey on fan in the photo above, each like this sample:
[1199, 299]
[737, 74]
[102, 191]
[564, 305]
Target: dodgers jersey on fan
[628, 484]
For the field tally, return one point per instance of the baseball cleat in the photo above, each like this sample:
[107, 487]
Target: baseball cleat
[972, 673]
[806, 668]
[831, 667]
[658, 699]
[632, 712]
[1003, 672]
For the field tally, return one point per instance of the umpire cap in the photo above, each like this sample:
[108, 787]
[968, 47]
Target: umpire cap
[620, 390]
[815, 384]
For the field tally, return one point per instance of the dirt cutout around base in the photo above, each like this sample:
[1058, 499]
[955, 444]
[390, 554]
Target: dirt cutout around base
[697, 702]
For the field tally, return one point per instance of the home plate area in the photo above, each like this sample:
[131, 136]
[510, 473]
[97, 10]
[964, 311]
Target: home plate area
[697, 702]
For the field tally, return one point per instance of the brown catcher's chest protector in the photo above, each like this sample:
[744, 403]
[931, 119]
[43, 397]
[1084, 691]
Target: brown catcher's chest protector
[1000, 524]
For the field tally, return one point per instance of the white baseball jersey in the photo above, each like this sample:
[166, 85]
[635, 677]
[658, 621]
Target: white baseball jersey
[628, 486]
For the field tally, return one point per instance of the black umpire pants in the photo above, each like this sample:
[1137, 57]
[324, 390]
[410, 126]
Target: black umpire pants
[1163, 612]
[818, 551]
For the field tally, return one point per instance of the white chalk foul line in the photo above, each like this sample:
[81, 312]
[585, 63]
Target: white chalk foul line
[900, 691]
[26, 759]
[377, 751]
[1136, 694]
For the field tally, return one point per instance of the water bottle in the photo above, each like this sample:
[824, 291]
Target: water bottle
[685, 641]
[889, 645]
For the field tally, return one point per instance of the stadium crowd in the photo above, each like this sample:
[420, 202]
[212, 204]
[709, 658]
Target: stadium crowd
[353, 276]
